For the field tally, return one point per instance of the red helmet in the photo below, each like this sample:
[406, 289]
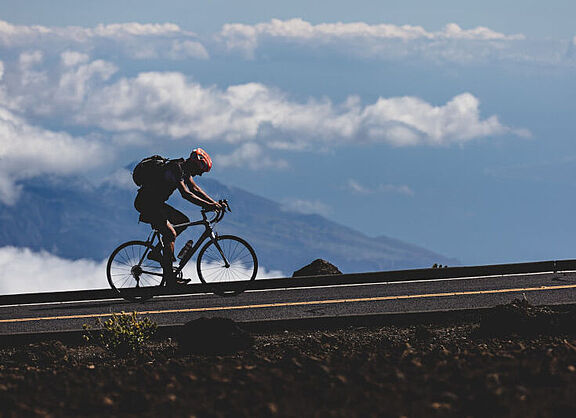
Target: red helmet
[203, 159]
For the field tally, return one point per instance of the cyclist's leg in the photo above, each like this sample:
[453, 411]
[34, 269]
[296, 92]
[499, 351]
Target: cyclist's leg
[161, 216]
[175, 217]
[155, 213]
[168, 237]
[150, 210]
[171, 217]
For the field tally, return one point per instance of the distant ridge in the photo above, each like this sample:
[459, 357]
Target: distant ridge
[74, 220]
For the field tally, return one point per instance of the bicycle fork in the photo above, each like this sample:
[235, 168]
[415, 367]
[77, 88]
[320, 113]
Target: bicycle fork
[215, 241]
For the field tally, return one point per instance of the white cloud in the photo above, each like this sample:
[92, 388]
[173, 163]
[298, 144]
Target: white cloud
[73, 58]
[29, 59]
[249, 155]
[21, 34]
[306, 206]
[256, 117]
[121, 178]
[75, 82]
[77, 91]
[397, 43]
[188, 49]
[25, 271]
[170, 105]
[358, 188]
[168, 41]
[28, 151]
[263, 273]
[133, 29]
[410, 121]
[247, 38]
[166, 104]
[133, 40]
[40, 88]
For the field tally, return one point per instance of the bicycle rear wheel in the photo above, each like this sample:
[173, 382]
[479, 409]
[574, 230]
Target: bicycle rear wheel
[228, 260]
[131, 273]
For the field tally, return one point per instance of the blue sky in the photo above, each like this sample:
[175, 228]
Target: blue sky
[445, 124]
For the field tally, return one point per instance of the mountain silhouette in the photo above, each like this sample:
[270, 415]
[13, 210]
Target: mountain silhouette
[73, 219]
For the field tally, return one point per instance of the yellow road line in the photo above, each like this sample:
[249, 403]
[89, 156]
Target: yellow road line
[312, 302]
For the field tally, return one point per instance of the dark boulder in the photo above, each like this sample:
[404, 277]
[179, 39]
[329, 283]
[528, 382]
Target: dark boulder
[213, 336]
[518, 317]
[44, 353]
[318, 267]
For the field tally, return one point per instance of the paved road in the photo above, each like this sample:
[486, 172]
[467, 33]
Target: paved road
[303, 302]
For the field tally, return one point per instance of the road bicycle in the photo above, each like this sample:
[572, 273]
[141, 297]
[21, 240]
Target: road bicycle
[225, 262]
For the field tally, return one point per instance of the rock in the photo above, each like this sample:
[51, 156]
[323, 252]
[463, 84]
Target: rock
[47, 352]
[423, 334]
[518, 317]
[318, 267]
[213, 336]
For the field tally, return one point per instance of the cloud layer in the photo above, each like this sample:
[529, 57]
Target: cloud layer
[247, 38]
[75, 92]
[133, 40]
[452, 45]
[169, 104]
[306, 206]
[26, 271]
[166, 42]
[28, 151]
[66, 100]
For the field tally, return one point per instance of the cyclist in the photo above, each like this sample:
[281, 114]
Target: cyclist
[151, 203]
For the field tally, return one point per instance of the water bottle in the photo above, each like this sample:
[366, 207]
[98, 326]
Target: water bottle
[185, 249]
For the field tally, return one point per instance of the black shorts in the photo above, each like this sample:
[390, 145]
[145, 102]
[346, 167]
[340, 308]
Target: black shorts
[156, 213]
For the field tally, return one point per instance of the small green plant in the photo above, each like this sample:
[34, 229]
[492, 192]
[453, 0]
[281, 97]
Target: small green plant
[122, 334]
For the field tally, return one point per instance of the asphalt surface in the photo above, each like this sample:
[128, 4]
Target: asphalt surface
[301, 302]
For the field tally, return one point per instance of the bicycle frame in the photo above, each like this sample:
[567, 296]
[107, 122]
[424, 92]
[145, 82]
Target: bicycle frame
[207, 234]
[226, 263]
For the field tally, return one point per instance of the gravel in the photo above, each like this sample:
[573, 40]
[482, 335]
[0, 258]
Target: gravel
[465, 368]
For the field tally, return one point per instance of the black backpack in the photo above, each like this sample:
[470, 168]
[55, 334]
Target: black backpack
[149, 170]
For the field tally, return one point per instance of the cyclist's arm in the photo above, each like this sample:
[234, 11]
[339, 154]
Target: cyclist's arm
[194, 198]
[197, 190]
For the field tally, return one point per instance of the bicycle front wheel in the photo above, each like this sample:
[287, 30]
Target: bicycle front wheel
[131, 273]
[227, 259]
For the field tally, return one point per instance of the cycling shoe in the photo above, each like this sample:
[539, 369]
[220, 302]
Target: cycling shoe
[155, 254]
[178, 282]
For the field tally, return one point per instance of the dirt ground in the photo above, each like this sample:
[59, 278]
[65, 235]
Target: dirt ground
[476, 368]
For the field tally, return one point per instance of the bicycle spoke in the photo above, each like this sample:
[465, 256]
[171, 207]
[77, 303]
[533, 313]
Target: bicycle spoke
[227, 260]
[121, 269]
[127, 269]
[125, 281]
[124, 260]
